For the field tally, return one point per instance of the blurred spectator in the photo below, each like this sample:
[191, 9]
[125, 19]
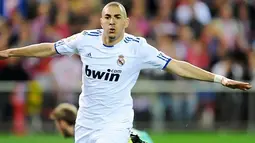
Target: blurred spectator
[66, 74]
[235, 68]
[214, 6]
[193, 9]
[197, 55]
[7, 7]
[40, 23]
[184, 106]
[162, 23]
[61, 24]
[242, 11]
[194, 13]
[85, 14]
[140, 25]
[12, 71]
[227, 29]
[183, 42]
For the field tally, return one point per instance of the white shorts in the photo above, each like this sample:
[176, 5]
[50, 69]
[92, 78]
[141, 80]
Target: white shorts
[108, 135]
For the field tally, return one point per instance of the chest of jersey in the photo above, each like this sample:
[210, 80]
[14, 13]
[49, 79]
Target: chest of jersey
[108, 63]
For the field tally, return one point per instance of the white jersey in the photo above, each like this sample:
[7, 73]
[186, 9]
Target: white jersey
[108, 75]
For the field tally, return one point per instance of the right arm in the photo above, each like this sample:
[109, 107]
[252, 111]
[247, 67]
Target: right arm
[66, 46]
[36, 50]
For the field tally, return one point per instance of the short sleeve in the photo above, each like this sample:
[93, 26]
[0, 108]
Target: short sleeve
[68, 46]
[151, 57]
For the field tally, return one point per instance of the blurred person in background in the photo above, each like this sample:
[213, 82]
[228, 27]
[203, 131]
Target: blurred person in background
[161, 35]
[64, 116]
[233, 35]
[194, 13]
[162, 23]
[232, 107]
[183, 105]
[242, 12]
[227, 29]
[85, 14]
[70, 68]
[41, 22]
[183, 42]
[187, 10]
[140, 23]
[162, 101]
[12, 71]
[214, 6]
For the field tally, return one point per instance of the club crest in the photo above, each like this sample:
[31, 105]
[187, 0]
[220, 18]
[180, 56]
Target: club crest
[121, 60]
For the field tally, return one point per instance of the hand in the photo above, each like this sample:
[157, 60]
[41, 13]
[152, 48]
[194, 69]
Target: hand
[235, 84]
[4, 55]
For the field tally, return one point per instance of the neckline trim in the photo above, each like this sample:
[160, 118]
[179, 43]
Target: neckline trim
[108, 46]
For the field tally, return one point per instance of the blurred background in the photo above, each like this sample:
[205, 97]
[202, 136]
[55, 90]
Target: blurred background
[216, 35]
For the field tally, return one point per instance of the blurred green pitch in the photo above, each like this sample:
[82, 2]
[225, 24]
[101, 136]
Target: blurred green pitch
[158, 138]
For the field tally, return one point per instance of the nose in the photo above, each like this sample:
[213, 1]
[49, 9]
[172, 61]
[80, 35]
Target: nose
[112, 21]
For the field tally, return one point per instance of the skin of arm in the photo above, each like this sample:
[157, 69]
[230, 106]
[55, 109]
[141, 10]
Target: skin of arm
[187, 70]
[36, 50]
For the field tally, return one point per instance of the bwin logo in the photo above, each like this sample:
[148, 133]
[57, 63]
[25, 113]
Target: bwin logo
[109, 75]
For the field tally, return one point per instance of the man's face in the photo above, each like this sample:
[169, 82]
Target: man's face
[113, 21]
[226, 11]
[62, 128]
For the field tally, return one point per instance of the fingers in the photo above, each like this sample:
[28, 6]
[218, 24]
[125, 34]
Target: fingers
[238, 85]
[244, 86]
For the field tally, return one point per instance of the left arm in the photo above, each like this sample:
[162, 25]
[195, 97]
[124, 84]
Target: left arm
[188, 70]
[152, 58]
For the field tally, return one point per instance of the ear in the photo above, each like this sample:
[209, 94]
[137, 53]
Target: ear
[63, 123]
[126, 22]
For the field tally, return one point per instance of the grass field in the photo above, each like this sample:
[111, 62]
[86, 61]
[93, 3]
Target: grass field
[157, 138]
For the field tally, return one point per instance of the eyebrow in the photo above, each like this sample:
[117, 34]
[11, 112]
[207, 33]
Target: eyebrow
[114, 15]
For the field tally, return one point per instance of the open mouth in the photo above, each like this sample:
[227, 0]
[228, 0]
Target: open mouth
[112, 30]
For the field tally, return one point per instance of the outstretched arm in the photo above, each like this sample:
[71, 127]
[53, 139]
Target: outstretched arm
[152, 58]
[36, 50]
[187, 70]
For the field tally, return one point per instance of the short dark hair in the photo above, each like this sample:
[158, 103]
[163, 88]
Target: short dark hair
[118, 4]
[66, 112]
